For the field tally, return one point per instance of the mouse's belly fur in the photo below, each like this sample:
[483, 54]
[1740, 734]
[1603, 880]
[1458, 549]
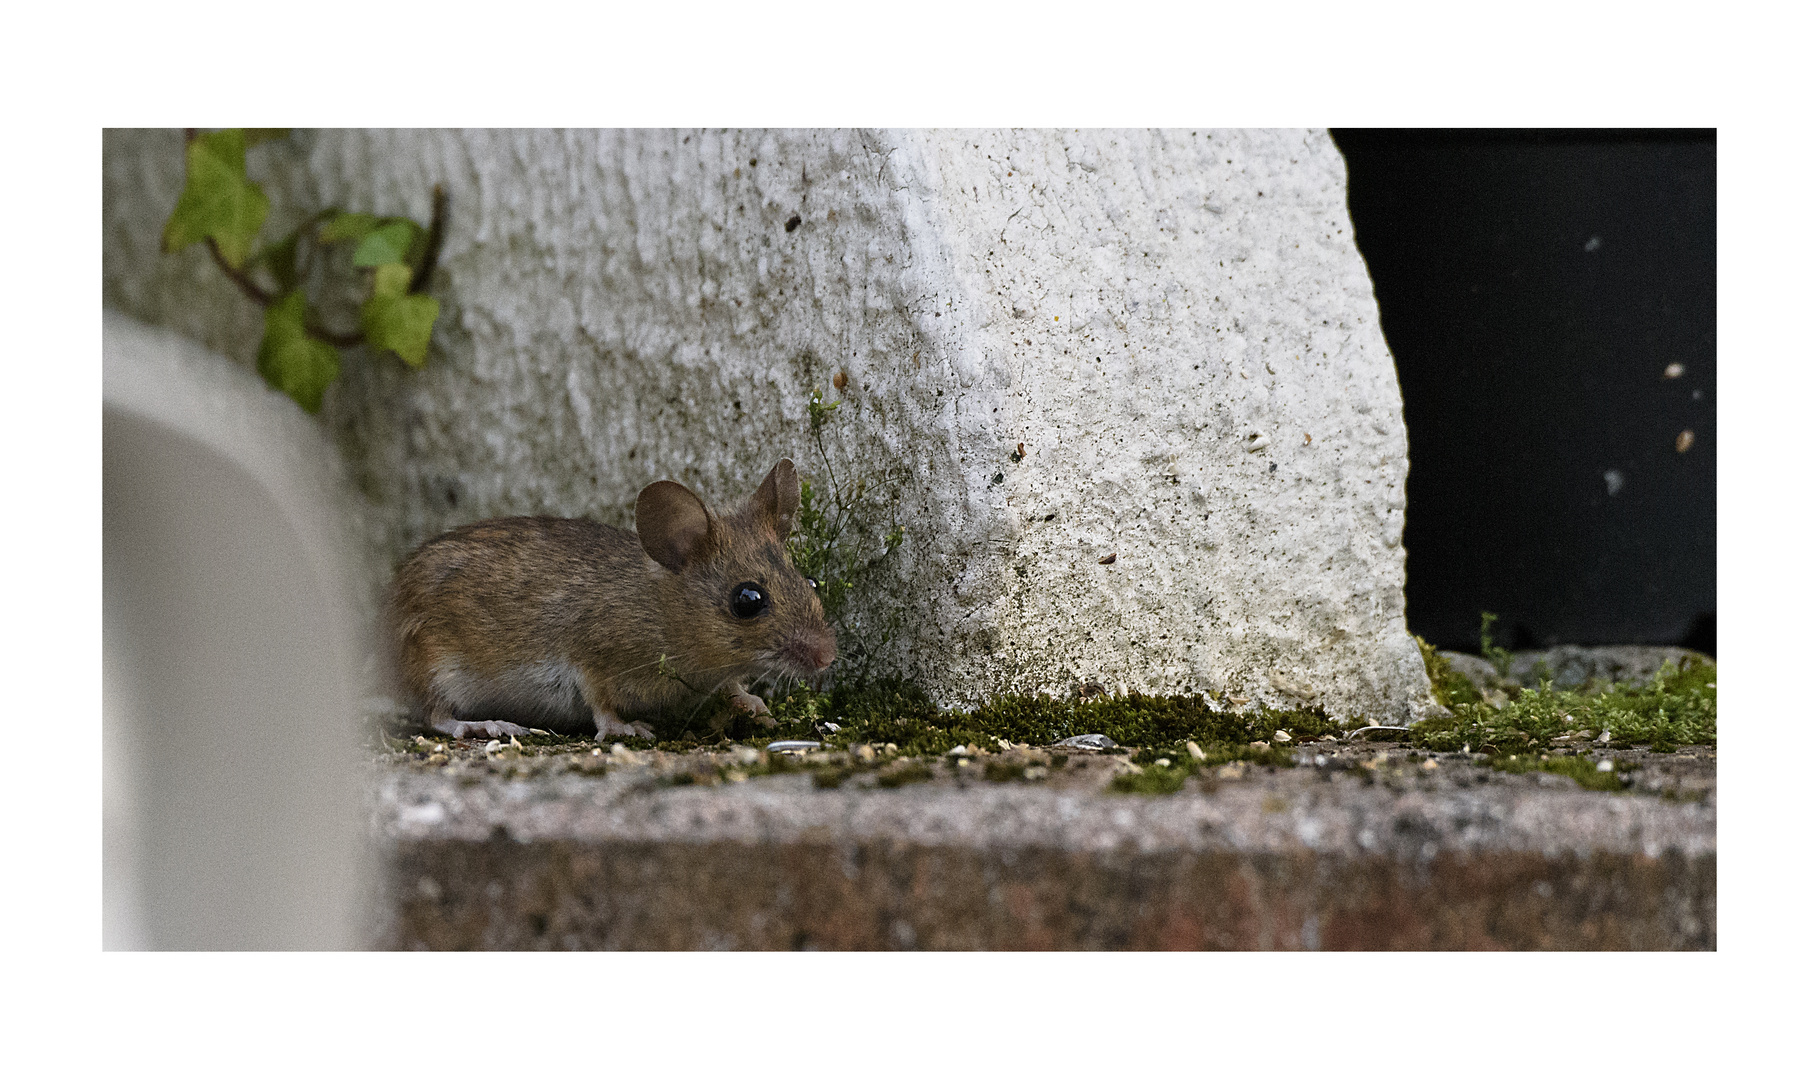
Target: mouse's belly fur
[559, 693]
[546, 693]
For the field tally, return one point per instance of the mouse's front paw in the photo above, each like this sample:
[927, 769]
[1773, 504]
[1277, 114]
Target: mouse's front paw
[612, 725]
[752, 705]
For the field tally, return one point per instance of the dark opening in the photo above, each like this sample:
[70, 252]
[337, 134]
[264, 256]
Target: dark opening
[1535, 288]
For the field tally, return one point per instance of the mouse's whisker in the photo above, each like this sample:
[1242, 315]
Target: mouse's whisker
[716, 667]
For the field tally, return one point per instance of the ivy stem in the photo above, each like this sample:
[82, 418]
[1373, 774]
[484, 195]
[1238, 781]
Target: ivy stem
[340, 341]
[240, 277]
[431, 250]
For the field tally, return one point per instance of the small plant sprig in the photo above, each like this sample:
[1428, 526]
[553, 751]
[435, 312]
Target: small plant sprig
[824, 546]
[220, 207]
[1496, 654]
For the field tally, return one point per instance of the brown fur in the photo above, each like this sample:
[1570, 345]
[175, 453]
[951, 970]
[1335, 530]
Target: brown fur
[548, 622]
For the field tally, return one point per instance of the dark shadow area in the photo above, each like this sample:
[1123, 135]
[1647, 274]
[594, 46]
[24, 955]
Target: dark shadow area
[1551, 302]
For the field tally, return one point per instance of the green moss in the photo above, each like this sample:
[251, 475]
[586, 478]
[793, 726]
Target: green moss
[892, 711]
[1450, 687]
[1584, 770]
[999, 771]
[915, 772]
[1679, 706]
[1155, 780]
[841, 540]
[832, 776]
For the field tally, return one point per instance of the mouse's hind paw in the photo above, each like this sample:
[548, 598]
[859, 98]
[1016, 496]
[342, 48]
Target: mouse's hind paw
[479, 729]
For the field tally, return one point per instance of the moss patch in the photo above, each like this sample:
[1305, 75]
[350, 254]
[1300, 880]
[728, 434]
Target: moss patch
[896, 712]
[891, 731]
[1450, 687]
[1678, 707]
[914, 772]
[1154, 780]
[1582, 769]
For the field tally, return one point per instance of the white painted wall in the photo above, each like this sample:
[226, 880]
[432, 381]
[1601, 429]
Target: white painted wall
[1176, 326]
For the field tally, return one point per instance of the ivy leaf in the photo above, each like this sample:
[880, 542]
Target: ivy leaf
[290, 359]
[218, 201]
[391, 280]
[346, 226]
[397, 320]
[389, 243]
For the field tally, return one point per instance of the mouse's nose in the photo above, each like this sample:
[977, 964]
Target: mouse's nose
[825, 650]
[814, 649]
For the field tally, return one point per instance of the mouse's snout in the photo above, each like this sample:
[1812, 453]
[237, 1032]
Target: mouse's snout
[811, 649]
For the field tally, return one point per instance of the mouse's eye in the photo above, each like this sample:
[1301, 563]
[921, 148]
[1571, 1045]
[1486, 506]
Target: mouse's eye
[749, 600]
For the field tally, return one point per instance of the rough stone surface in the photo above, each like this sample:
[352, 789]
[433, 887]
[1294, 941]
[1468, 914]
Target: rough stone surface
[1057, 346]
[1574, 666]
[1301, 859]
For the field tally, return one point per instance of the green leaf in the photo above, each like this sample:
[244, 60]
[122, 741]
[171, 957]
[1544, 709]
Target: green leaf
[396, 320]
[290, 359]
[389, 243]
[346, 226]
[218, 201]
[392, 279]
[255, 136]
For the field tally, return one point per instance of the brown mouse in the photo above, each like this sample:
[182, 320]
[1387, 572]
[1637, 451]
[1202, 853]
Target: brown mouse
[523, 622]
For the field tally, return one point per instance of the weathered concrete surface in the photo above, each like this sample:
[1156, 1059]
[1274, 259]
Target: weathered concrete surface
[1573, 666]
[1300, 859]
[1058, 347]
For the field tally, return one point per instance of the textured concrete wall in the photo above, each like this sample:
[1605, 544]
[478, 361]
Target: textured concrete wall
[1176, 328]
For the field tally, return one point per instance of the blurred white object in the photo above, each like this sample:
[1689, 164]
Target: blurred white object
[228, 653]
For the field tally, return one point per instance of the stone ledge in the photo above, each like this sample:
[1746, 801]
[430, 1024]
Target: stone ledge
[1294, 860]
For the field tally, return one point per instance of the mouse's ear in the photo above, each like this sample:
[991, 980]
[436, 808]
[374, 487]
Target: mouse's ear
[673, 525]
[774, 505]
